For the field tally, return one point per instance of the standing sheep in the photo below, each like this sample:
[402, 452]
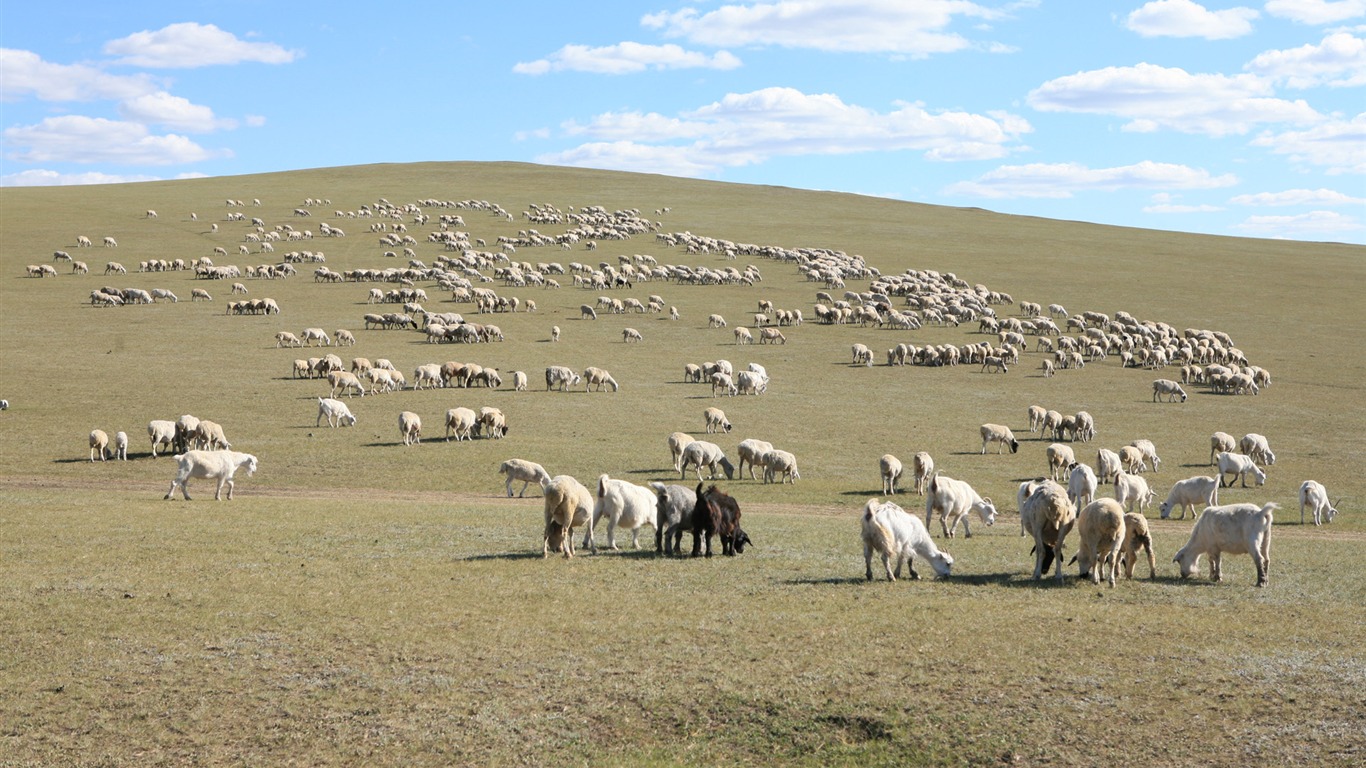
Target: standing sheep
[716, 420]
[673, 515]
[1200, 489]
[677, 442]
[1136, 537]
[1081, 485]
[520, 469]
[1101, 528]
[1256, 447]
[567, 504]
[1048, 515]
[1132, 490]
[99, 443]
[896, 535]
[889, 468]
[121, 446]
[996, 433]
[700, 453]
[1239, 466]
[624, 504]
[410, 428]
[1059, 459]
[922, 466]
[1220, 442]
[460, 422]
[162, 434]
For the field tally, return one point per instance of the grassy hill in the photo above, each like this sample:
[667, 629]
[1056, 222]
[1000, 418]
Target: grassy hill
[363, 601]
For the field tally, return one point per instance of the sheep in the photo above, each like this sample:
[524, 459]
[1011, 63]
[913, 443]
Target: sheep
[519, 381]
[752, 450]
[587, 313]
[1235, 529]
[1052, 423]
[197, 294]
[186, 427]
[1169, 388]
[922, 467]
[345, 338]
[1131, 459]
[1219, 442]
[211, 465]
[1048, 515]
[629, 335]
[410, 428]
[862, 355]
[338, 415]
[677, 442]
[209, 436]
[1132, 490]
[1036, 415]
[692, 373]
[624, 504]
[1081, 485]
[520, 469]
[1059, 459]
[716, 321]
[674, 506]
[287, 339]
[1189, 492]
[1315, 496]
[1149, 452]
[1238, 466]
[492, 422]
[461, 421]
[996, 433]
[993, 362]
[598, 377]
[1107, 465]
[554, 333]
[1100, 525]
[955, 499]
[715, 419]
[427, 376]
[161, 433]
[345, 381]
[896, 534]
[889, 469]
[1137, 536]
[750, 383]
[771, 336]
[743, 336]
[723, 382]
[99, 442]
[700, 453]
[1048, 368]
[163, 293]
[1255, 447]
[777, 463]
[567, 504]
[121, 446]
[558, 376]
[1085, 427]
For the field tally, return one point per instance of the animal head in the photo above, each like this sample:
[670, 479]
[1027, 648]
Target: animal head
[251, 465]
[1189, 562]
[942, 563]
[987, 510]
[1260, 475]
[742, 540]
[1014, 445]
[1166, 509]
[729, 469]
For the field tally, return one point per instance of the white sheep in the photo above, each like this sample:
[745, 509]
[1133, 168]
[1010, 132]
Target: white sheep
[560, 377]
[567, 504]
[338, 415]
[1131, 459]
[1315, 496]
[1149, 452]
[1137, 536]
[1235, 529]
[1048, 515]
[1059, 459]
[862, 355]
[743, 336]
[716, 420]
[121, 446]
[212, 465]
[700, 453]
[209, 436]
[922, 467]
[889, 469]
[520, 469]
[1100, 525]
[493, 422]
[953, 500]
[716, 321]
[624, 504]
[460, 422]
[1187, 493]
[723, 382]
[896, 535]
[630, 335]
[750, 383]
[677, 442]
[519, 381]
[287, 339]
[162, 433]
[99, 444]
[1081, 485]
[598, 377]
[996, 433]
[1238, 465]
[1219, 442]
[1169, 388]
[1107, 465]
[345, 381]
[752, 450]
[1256, 447]
[345, 338]
[1036, 414]
[1131, 490]
[410, 428]
[780, 464]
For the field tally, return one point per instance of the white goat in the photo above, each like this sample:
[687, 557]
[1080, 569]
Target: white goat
[1235, 529]
[211, 465]
[896, 535]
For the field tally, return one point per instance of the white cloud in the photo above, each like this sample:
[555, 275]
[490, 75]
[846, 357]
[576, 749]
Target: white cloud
[916, 29]
[39, 177]
[161, 108]
[1315, 225]
[1183, 18]
[625, 58]
[1316, 11]
[26, 74]
[1298, 197]
[1062, 180]
[188, 45]
[80, 139]
[1339, 61]
[1339, 145]
[1154, 97]
[747, 128]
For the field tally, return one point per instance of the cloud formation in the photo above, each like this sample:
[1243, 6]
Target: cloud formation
[188, 45]
[1317, 11]
[625, 58]
[1338, 61]
[27, 74]
[1062, 180]
[1183, 18]
[80, 139]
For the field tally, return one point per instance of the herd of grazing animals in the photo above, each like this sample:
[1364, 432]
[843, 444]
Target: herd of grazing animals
[1110, 535]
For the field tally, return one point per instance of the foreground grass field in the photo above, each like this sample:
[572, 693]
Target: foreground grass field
[360, 602]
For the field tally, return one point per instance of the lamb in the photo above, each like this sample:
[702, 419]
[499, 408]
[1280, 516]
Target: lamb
[1081, 485]
[1131, 459]
[567, 504]
[1315, 496]
[410, 428]
[598, 377]
[338, 415]
[1235, 529]
[287, 339]
[922, 466]
[780, 463]
[1255, 447]
[624, 504]
[677, 441]
[1220, 442]
[99, 443]
[1132, 490]
[896, 535]
[753, 451]
[461, 421]
[1048, 515]
[955, 499]
[673, 515]
[716, 420]
[520, 469]
[1100, 525]
[1200, 489]
[162, 433]
[211, 465]
[1059, 459]
[996, 433]
[1136, 537]
[121, 446]
[889, 469]
[1239, 466]
[1169, 388]
[560, 377]
[700, 453]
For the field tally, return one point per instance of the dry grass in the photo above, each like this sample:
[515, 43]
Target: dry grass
[360, 602]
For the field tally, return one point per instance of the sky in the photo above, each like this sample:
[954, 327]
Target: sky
[1229, 118]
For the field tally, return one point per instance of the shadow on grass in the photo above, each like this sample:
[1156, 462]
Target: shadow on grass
[505, 556]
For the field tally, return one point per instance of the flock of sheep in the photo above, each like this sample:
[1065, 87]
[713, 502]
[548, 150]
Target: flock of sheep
[1112, 530]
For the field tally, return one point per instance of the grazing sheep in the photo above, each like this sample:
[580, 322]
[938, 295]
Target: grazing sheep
[1200, 489]
[1036, 415]
[1132, 490]
[567, 504]
[1238, 465]
[955, 499]
[1256, 447]
[208, 435]
[410, 428]
[121, 446]
[677, 442]
[461, 421]
[519, 381]
[287, 339]
[777, 463]
[673, 515]
[922, 466]
[345, 381]
[316, 334]
[1169, 388]
[717, 513]
[1085, 427]
[520, 469]
[624, 504]
[492, 422]
[345, 338]
[1059, 459]
[598, 377]
[750, 383]
[587, 313]
[716, 420]
[1149, 452]
[1107, 465]
[1315, 496]
[338, 415]
[692, 373]
[700, 453]
[996, 433]
[716, 321]
[994, 363]
[1235, 529]
[743, 336]
[1081, 485]
[896, 535]
[771, 336]
[889, 469]
[753, 451]
[1136, 537]
[186, 427]
[1220, 442]
[560, 377]
[99, 443]
[862, 355]
[210, 465]
[1131, 459]
[554, 333]
[1048, 515]
[1100, 525]
[629, 335]
[162, 434]
[196, 294]
[723, 382]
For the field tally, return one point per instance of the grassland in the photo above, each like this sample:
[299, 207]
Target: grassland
[360, 602]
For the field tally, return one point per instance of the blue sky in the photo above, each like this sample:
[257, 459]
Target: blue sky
[1229, 118]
